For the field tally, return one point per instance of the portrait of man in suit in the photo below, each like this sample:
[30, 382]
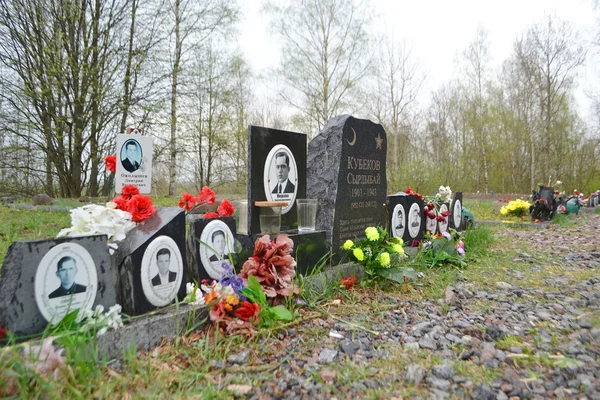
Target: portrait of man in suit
[163, 260]
[282, 166]
[218, 243]
[66, 270]
[131, 150]
[400, 219]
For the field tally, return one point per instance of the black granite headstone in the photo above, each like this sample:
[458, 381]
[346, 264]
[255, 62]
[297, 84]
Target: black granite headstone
[455, 217]
[275, 155]
[405, 217]
[205, 237]
[154, 245]
[346, 172]
[34, 273]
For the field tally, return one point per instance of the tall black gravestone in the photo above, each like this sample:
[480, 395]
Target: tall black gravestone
[42, 280]
[152, 262]
[455, 218]
[346, 171]
[405, 217]
[277, 166]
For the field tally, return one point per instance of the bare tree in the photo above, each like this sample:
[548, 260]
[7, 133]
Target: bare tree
[326, 53]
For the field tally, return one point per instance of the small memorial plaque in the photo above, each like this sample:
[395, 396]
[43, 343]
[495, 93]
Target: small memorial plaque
[455, 218]
[41, 281]
[276, 172]
[215, 244]
[406, 218]
[443, 226]
[134, 162]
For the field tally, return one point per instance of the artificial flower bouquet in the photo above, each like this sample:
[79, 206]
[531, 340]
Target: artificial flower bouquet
[240, 303]
[433, 204]
[517, 208]
[114, 220]
[443, 248]
[206, 196]
[381, 256]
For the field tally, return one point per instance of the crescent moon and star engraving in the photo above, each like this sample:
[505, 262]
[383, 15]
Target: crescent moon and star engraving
[379, 141]
[351, 143]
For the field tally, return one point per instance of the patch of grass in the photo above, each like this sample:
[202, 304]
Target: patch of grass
[17, 224]
[510, 341]
[478, 240]
[476, 373]
[481, 209]
[564, 220]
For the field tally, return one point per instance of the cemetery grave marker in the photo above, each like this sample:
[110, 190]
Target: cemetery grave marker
[152, 262]
[406, 218]
[134, 162]
[43, 280]
[347, 173]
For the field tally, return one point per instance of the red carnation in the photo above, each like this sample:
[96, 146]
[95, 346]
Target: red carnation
[110, 163]
[211, 215]
[120, 202]
[226, 209]
[187, 201]
[445, 213]
[2, 333]
[206, 196]
[128, 191]
[415, 243]
[140, 207]
[247, 311]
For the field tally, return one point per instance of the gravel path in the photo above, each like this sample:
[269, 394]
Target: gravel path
[528, 332]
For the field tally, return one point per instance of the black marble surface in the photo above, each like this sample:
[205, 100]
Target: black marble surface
[260, 142]
[346, 172]
[19, 312]
[452, 222]
[196, 269]
[407, 202]
[169, 221]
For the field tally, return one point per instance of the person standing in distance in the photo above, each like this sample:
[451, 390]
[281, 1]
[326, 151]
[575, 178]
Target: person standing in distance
[163, 260]
[282, 166]
[130, 164]
[66, 270]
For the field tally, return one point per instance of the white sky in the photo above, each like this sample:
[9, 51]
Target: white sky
[438, 31]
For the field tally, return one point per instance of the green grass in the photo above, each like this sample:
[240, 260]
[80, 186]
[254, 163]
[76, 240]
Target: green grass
[482, 209]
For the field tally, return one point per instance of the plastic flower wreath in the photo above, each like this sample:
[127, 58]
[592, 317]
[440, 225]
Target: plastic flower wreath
[381, 256]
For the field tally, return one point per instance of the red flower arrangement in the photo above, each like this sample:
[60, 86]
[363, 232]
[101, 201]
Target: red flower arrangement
[247, 311]
[412, 193]
[206, 196]
[139, 206]
[110, 163]
[274, 267]
[349, 282]
[211, 214]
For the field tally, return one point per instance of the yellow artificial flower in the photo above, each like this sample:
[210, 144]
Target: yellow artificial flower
[504, 211]
[372, 233]
[398, 248]
[231, 299]
[358, 253]
[384, 259]
[348, 244]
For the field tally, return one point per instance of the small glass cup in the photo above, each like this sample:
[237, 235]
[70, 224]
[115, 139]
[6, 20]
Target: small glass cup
[243, 217]
[270, 220]
[307, 214]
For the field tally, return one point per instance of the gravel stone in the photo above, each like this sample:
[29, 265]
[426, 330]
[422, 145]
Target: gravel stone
[483, 392]
[414, 374]
[239, 358]
[444, 371]
[428, 343]
[327, 356]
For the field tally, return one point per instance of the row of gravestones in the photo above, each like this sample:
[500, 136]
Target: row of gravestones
[344, 169]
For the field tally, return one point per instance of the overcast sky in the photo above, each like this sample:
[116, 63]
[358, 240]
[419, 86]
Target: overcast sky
[438, 31]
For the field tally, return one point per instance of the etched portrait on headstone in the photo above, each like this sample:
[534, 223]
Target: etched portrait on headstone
[398, 221]
[131, 155]
[281, 176]
[414, 220]
[161, 271]
[443, 226]
[216, 243]
[65, 280]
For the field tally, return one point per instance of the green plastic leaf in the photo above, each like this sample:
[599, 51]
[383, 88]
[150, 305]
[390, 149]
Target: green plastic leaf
[281, 313]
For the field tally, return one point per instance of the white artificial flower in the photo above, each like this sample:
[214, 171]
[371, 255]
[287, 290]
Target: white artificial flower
[112, 205]
[190, 288]
[101, 332]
